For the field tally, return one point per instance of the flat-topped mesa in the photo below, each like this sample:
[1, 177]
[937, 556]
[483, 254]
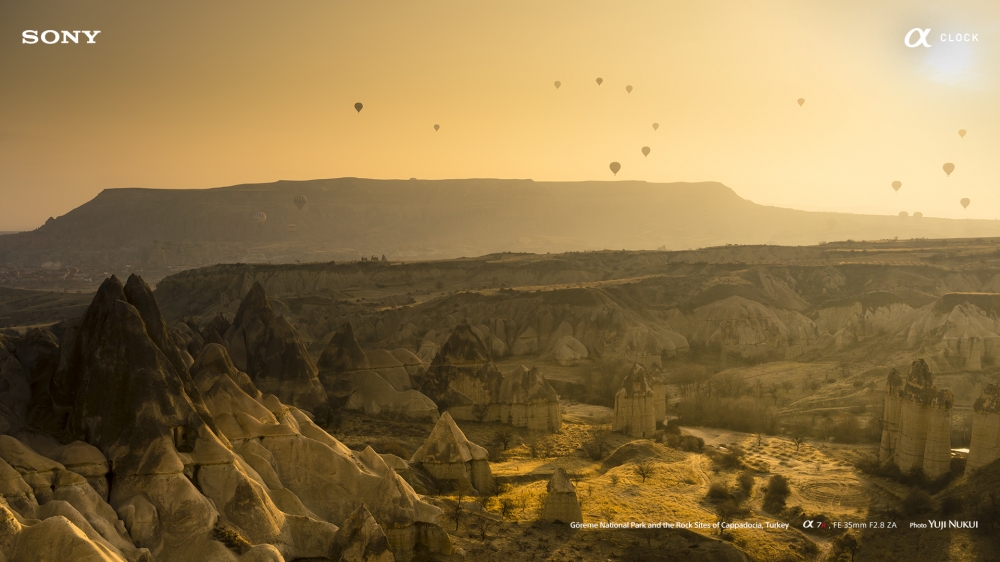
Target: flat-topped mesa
[924, 441]
[374, 384]
[890, 415]
[561, 503]
[635, 412]
[984, 448]
[528, 400]
[448, 456]
[462, 379]
[267, 347]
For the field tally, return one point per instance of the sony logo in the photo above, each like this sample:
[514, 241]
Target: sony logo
[51, 36]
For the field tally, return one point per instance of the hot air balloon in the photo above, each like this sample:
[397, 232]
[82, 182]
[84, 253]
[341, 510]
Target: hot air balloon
[948, 168]
[600, 81]
[628, 89]
[896, 185]
[558, 83]
[961, 133]
[436, 126]
[291, 228]
[965, 202]
[259, 217]
[801, 101]
[615, 166]
[300, 201]
[903, 214]
[918, 215]
[358, 106]
[645, 151]
[656, 126]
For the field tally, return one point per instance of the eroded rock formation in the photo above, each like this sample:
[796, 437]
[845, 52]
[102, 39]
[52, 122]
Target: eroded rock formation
[561, 503]
[984, 447]
[448, 456]
[923, 442]
[635, 409]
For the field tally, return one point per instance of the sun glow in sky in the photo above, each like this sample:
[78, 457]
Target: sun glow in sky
[210, 93]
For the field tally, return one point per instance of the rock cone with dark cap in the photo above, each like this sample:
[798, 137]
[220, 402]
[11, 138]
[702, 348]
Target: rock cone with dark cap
[463, 367]
[923, 441]
[635, 411]
[268, 349]
[352, 382]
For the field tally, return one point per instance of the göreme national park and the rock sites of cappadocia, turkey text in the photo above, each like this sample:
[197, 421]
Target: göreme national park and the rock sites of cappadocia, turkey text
[505, 281]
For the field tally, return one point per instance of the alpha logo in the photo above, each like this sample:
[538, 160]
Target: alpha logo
[922, 40]
[51, 36]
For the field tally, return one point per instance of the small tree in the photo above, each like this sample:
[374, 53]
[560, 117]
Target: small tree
[798, 435]
[644, 469]
[725, 511]
[504, 437]
[507, 507]
[483, 525]
[456, 514]
[776, 494]
[848, 542]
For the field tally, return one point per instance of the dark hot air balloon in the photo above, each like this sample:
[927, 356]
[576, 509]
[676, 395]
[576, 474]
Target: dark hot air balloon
[903, 214]
[558, 83]
[600, 81]
[259, 217]
[801, 101]
[918, 215]
[656, 126]
[965, 202]
[628, 89]
[300, 201]
[358, 106]
[961, 133]
[436, 126]
[948, 168]
[896, 185]
[645, 151]
[615, 166]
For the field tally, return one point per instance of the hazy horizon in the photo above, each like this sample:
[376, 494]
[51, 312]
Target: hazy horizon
[257, 93]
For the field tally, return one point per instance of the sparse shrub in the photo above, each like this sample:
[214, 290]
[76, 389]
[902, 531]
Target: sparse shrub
[717, 492]
[507, 507]
[917, 502]
[231, 538]
[776, 494]
[644, 469]
[614, 479]
[745, 481]
[504, 437]
[598, 444]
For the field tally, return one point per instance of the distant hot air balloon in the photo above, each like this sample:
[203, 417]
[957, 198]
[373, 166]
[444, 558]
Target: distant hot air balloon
[300, 201]
[903, 214]
[948, 168]
[918, 215]
[436, 126]
[965, 202]
[259, 217]
[358, 106]
[645, 151]
[628, 89]
[615, 166]
[656, 126]
[896, 185]
[801, 101]
[961, 133]
[291, 228]
[558, 83]
[600, 81]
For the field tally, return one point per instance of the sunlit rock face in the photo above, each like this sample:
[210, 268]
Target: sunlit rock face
[178, 459]
[890, 415]
[635, 410]
[984, 447]
[924, 439]
[561, 503]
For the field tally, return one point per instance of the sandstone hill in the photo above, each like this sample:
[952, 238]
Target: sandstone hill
[346, 218]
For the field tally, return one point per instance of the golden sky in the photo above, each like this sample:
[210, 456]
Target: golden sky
[209, 93]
